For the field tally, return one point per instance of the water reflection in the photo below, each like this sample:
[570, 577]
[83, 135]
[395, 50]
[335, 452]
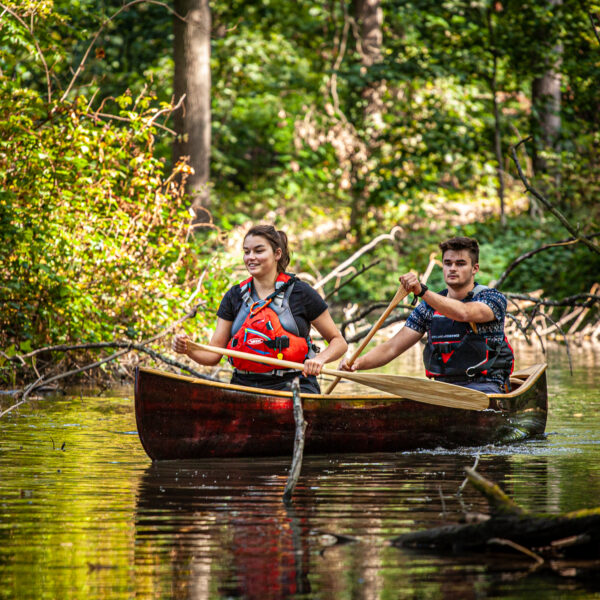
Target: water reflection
[230, 533]
[96, 519]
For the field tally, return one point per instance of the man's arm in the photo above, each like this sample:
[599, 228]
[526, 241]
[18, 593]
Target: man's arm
[383, 354]
[464, 312]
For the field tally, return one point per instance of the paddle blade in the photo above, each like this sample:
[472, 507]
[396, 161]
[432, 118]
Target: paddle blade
[422, 390]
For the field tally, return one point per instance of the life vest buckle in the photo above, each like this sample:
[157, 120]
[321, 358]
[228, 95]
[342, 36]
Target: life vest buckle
[279, 343]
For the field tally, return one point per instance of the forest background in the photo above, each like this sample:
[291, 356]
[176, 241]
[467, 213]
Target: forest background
[140, 139]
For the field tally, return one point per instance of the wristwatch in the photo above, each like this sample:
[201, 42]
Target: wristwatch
[424, 288]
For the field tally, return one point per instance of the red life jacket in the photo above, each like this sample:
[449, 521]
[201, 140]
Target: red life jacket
[267, 327]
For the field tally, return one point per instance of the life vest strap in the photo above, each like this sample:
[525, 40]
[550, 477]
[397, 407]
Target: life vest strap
[276, 373]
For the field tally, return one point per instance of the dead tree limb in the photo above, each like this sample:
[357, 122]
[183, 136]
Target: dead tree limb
[127, 347]
[535, 251]
[557, 213]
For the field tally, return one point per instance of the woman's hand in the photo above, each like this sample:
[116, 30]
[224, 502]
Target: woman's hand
[313, 366]
[180, 343]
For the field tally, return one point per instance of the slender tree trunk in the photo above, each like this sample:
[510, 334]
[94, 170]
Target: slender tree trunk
[369, 18]
[546, 102]
[497, 121]
[192, 78]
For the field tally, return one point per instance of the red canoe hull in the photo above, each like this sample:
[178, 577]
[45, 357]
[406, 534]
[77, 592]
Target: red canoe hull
[183, 417]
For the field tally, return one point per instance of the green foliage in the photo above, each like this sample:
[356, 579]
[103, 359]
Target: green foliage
[94, 227]
[93, 216]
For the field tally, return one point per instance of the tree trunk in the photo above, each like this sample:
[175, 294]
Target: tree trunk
[497, 123]
[192, 78]
[546, 98]
[369, 18]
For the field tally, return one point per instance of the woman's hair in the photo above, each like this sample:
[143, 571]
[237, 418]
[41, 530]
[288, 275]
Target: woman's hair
[278, 241]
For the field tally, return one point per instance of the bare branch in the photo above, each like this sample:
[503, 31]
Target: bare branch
[531, 253]
[557, 213]
[386, 236]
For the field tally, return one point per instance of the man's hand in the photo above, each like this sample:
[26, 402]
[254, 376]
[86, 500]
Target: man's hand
[355, 366]
[410, 283]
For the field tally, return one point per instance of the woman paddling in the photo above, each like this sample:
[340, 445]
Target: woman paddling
[270, 314]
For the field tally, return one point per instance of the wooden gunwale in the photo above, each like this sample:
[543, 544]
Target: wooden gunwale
[528, 378]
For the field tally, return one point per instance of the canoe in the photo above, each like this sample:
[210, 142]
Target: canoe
[182, 417]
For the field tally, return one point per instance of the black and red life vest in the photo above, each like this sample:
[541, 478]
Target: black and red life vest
[267, 327]
[455, 351]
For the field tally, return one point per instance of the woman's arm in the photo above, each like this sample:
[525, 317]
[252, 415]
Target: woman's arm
[336, 344]
[220, 338]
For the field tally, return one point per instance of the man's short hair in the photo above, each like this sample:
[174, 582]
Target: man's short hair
[462, 243]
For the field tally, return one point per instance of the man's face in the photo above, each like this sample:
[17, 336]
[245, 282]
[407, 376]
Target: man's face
[458, 268]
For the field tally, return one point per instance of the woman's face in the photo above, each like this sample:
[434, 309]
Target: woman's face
[259, 257]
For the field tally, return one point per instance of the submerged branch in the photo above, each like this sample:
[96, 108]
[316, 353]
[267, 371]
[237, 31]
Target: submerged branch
[537, 536]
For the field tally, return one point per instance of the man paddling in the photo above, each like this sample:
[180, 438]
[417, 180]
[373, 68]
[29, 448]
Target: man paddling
[464, 323]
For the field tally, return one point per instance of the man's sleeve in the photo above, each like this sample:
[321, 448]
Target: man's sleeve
[495, 300]
[419, 318]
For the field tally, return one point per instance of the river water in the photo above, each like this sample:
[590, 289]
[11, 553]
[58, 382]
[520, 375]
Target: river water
[84, 514]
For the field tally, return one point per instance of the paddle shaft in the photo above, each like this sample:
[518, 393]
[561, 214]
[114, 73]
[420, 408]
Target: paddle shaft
[398, 297]
[286, 364]
[413, 388]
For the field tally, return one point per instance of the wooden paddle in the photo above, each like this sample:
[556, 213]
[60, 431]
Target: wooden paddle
[411, 388]
[400, 295]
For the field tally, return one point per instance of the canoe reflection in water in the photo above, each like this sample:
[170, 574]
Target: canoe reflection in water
[223, 528]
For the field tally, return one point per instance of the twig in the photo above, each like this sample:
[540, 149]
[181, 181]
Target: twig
[568, 301]
[520, 327]
[362, 270]
[37, 47]
[594, 28]
[128, 120]
[97, 34]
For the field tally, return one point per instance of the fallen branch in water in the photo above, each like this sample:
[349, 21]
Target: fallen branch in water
[539, 536]
[294, 473]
